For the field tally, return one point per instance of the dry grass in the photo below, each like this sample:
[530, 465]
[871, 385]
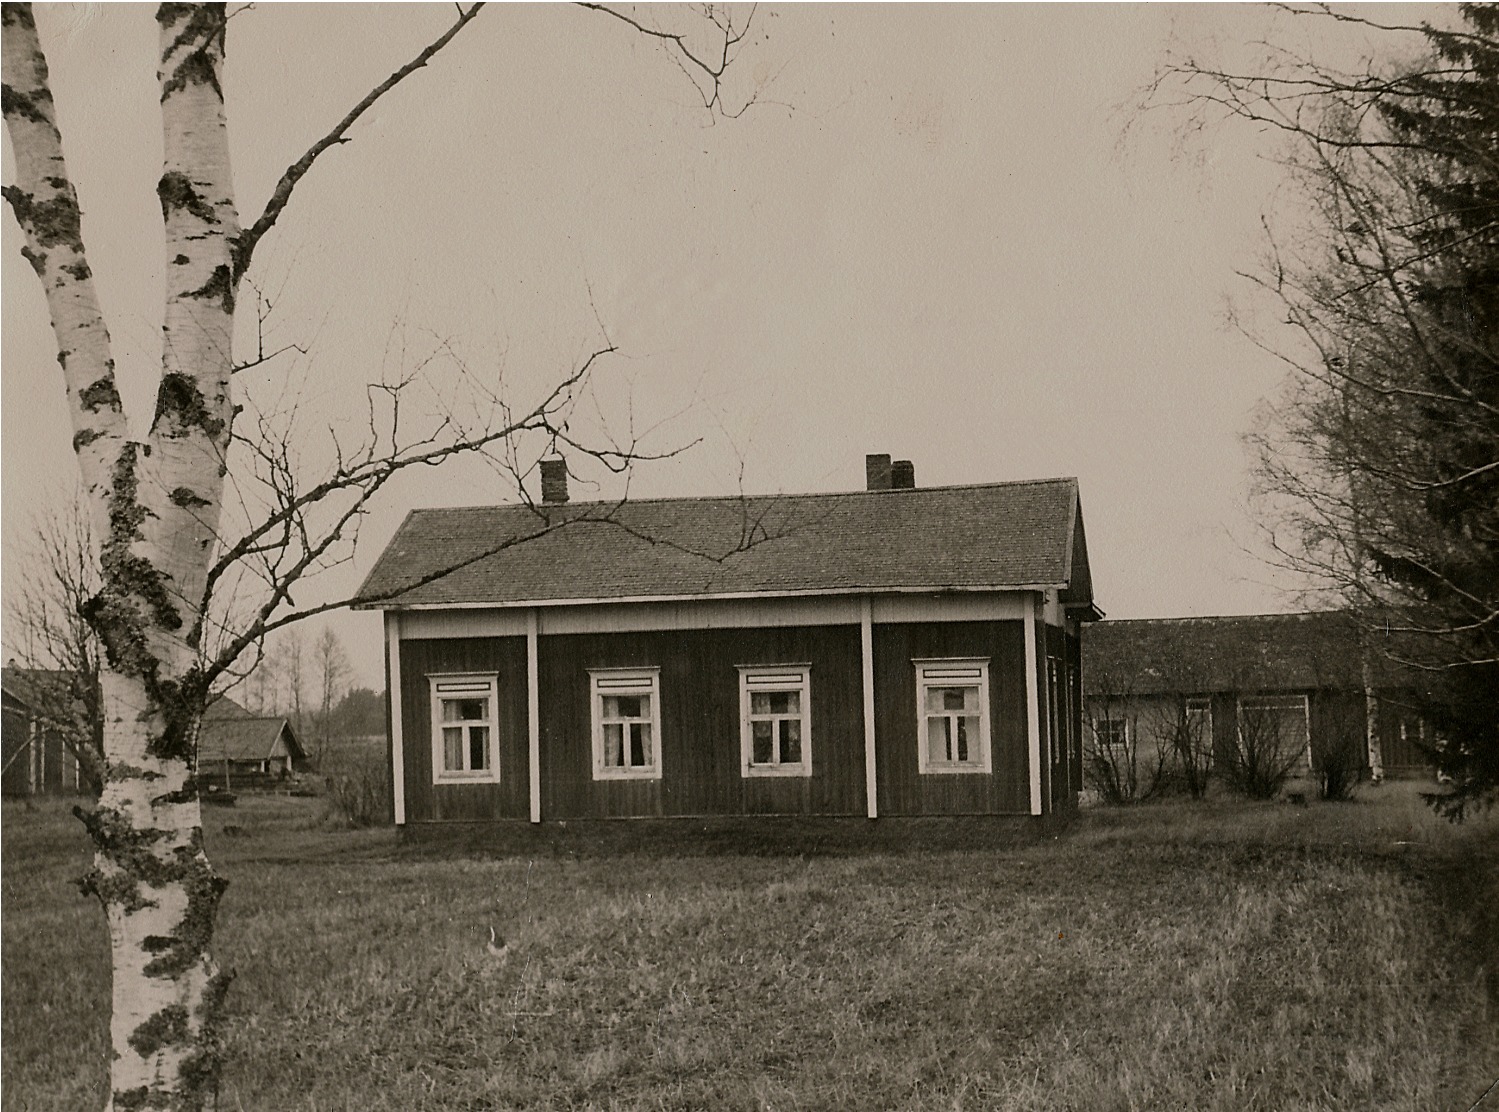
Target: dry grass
[1218, 957]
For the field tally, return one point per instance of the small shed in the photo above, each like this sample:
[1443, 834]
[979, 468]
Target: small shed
[238, 750]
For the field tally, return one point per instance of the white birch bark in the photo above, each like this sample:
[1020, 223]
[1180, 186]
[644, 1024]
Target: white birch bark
[155, 507]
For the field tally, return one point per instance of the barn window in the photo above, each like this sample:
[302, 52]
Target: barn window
[1111, 733]
[952, 715]
[465, 741]
[1275, 729]
[775, 720]
[626, 723]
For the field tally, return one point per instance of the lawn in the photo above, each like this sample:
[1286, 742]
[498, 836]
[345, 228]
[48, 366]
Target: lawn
[1225, 957]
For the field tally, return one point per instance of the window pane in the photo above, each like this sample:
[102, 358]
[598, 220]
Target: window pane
[968, 738]
[627, 706]
[613, 745]
[939, 742]
[478, 747]
[760, 702]
[791, 740]
[764, 742]
[452, 748]
[465, 710]
[640, 744]
[952, 698]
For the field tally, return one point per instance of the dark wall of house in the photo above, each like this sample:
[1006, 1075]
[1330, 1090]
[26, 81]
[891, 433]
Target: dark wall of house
[699, 723]
[1075, 675]
[510, 798]
[14, 730]
[55, 763]
[1402, 754]
[1339, 729]
[902, 789]
[1058, 707]
[1225, 716]
[700, 748]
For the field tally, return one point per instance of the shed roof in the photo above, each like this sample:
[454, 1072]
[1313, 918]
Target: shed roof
[991, 536]
[1258, 652]
[244, 739]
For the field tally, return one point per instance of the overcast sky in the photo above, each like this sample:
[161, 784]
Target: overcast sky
[932, 238]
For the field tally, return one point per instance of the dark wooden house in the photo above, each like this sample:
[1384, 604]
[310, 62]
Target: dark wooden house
[1312, 678]
[891, 651]
[39, 709]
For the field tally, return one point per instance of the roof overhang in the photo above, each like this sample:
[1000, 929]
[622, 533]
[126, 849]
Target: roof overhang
[728, 596]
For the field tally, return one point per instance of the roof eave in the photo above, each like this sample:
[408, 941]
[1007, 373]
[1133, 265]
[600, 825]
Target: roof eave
[727, 596]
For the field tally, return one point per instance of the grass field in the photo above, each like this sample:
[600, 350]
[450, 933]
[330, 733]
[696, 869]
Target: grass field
[1226, 957]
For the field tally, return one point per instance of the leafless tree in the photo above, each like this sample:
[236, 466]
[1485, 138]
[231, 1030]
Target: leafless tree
[1266, 747]
[212, 503]
[49, 636]
[330, 662]
[1115, 765]
[294, 677]
[1182, 726]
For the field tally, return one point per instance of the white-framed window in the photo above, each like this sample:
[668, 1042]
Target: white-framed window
[465, 738]
[952, 715]
[1277, 726]
[1111, 733]
[775, 719]
[1198, 711]
[626, 714]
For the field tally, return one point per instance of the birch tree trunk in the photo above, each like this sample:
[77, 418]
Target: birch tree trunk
[155, 506]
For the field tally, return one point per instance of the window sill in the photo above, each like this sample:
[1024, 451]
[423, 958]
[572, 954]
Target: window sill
[623, 774]
[776, 772]
[466, 778]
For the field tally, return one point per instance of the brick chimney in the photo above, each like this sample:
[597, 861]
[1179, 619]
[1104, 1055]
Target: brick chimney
[877, 472]
[902, 475]
[553, 481]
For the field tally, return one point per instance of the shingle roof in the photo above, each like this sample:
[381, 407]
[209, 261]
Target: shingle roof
[223, 706]
[962, 537]
[1261, 652]
[38, 688]
[243, 739]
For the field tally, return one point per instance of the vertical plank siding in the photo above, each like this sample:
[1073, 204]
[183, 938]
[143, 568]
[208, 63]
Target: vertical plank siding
[699, 742]
[426, 801]
[699, 716]
[1075, 722]
[902, 789]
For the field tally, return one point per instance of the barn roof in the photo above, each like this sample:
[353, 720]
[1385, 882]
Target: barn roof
[35, 688]
[244, 739]
[1260, 652]
[992, 536]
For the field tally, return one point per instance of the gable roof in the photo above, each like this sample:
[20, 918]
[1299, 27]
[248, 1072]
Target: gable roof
[1258, 652]
[244, 739]
[993, 536]
[37, 688]
[223, 706]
